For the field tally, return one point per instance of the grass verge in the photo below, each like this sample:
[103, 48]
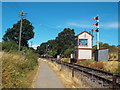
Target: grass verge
[18, 69]
[109, 66]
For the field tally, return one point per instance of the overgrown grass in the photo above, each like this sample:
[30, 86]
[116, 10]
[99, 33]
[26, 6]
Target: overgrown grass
[17, 67]
[110, 66]
[113, 56]
[64, 59]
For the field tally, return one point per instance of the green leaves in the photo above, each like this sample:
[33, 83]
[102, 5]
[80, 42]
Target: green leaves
[9, 46]
[17, 66]
[62, 45]
[13, 33]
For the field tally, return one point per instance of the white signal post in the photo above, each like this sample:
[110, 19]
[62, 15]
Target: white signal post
[98, 33]
[98, 41]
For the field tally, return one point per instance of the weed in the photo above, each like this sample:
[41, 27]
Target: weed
[16, 67]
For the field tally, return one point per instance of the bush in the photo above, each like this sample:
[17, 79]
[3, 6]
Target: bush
[15, 69]
[29, 54]
[16, 65]
[9, 46]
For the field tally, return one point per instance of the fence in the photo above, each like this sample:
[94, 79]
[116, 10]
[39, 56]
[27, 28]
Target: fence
[90, 77]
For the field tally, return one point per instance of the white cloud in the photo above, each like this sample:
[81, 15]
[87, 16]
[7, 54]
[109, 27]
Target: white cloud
[111, 25]
[58, 27]
[80, 25]
[35, 46]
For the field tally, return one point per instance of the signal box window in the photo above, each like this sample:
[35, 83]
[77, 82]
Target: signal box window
[83, 42]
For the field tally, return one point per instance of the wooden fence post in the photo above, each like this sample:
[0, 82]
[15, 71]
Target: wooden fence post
[73, 70]
[114, 81]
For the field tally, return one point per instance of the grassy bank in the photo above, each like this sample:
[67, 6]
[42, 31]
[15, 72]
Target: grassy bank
[18, 69]
[110, 66]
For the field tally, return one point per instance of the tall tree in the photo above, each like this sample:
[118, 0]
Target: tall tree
[13, 33]
[65, 41]
[52, 48]
[62, 45]
[42, 49]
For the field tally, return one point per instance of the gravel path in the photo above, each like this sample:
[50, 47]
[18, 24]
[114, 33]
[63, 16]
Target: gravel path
[47, 78]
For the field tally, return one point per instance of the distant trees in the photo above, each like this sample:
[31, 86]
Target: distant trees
[112, 48]
[63, 44]
[42, 48]
[12, 34]
[65, 41]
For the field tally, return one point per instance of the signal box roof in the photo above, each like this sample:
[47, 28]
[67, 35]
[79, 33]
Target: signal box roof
[84, 32]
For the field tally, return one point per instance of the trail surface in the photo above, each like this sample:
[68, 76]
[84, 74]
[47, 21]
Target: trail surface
[47, 78]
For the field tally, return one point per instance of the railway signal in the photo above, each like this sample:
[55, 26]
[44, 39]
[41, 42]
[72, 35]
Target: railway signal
[96, 24]
[97, 30]
[97, 18]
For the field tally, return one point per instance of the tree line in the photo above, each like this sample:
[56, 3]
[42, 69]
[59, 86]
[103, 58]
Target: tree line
[62, 45]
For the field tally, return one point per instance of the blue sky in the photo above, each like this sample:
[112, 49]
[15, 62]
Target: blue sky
[50, 18]
[60, 0]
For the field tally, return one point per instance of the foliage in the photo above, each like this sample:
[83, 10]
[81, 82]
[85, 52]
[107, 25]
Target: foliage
[68, 51]
[16, 67]
[65, 40]
[9, 46]
[110, 66]
[63, 44]
[13, 33]
[113, 50]
[42, 48]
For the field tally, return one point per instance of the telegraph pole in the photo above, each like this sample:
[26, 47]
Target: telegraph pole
[22, 16]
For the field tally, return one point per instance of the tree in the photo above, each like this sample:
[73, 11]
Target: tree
[42, 48]
[52, 48]
[63, 44]
[65, 41]
[12, 34]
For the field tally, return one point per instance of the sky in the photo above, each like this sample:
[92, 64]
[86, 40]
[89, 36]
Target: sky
[60, 0]
[50, 18]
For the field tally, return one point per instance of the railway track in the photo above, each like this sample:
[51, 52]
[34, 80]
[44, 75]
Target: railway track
[109, 79]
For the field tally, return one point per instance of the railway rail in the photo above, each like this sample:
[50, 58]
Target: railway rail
[109, 79]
